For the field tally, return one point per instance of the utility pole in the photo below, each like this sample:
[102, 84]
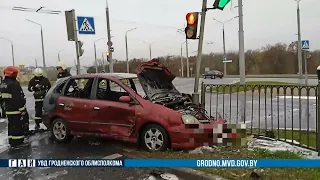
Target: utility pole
[95, 56]
[182, 66]
[305, 53]
[299, 42]
[36, 63]
[126, 39]
[195, 95]
[103, 64]
[109, 38]
[187, 54]
[224, 51]
[127, 58]
[150, 51]
[242, 63]
[224, 42]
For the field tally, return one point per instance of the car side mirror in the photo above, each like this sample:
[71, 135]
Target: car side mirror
[125, 99]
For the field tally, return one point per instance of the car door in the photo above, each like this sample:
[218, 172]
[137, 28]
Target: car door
[112, 117]
[75, 105]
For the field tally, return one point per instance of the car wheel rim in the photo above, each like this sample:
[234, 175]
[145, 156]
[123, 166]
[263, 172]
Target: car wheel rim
[59, 131]
[153, 139]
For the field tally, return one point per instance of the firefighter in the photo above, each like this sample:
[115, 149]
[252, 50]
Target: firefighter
[62, 70]
[3, 114]
[15, 106]
[39, 85]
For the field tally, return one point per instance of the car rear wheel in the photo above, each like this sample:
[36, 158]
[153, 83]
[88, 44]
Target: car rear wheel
[154, 138]
[60, 131]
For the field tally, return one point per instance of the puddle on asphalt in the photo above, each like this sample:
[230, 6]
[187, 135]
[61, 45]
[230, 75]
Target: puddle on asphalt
[161, 176]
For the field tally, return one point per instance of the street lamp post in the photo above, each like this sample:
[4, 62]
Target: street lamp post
[182, 65]
[59, 54]
[224, 42]
[299, 41]
[95, 54]
[42, 44]
[187, 52]
[126, 39]
[150, 50]
[12, 51]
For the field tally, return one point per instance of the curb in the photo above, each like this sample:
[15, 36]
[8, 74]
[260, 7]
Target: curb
[191, 173]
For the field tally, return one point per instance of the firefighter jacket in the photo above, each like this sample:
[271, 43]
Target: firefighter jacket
[40, 86]
[12, 94]
[63, 74]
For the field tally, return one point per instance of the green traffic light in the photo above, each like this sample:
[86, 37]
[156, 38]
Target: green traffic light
[220, 4]
[223, 3]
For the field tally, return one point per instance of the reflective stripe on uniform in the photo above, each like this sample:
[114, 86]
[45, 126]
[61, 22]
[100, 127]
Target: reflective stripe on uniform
[15, 137]
[22, 109]
[37, 117]
[38, 100]
[6, 95]
[12, 112]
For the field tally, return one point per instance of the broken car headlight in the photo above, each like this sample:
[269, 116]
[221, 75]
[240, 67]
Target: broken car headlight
[188, 119]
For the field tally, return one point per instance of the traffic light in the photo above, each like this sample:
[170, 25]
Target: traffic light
[108, 56]
[192, 25]
[80, 50]
[220, 4]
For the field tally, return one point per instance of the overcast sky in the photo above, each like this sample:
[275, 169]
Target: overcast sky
[265, 22]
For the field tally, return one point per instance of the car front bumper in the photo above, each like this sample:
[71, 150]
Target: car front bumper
[197, 135]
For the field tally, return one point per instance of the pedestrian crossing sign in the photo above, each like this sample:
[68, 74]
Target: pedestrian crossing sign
[305, 45]
[86, 25]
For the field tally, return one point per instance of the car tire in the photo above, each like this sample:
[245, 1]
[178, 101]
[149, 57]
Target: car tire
[204, 77]
[60, 131]
[150, 142]
[214, 77]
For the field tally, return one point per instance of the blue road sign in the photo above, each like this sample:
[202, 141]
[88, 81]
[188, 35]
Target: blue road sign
[224, 58]
[86, 25]
[305, 45]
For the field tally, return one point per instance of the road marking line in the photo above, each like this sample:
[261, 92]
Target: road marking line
[112, 156]
[298, 97]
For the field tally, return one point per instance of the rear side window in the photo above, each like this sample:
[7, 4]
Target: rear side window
[59, 88]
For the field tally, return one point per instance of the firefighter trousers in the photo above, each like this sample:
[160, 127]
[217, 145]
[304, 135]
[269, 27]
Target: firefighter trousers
[38, 114]
[15, 129]
[26, 121]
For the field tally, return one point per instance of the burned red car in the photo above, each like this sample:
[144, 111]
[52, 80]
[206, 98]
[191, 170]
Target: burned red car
[110, 105]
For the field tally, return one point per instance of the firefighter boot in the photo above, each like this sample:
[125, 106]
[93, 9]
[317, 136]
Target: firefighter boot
[37, 127]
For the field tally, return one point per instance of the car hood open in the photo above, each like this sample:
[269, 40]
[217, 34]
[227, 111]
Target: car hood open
[155, 79]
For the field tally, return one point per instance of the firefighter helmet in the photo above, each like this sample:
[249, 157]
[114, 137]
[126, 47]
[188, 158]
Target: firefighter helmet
[38, 72]
[61, 65]
[11, 71]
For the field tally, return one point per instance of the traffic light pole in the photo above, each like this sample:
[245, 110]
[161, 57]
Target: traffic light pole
[195, 95]
[242, 63]
[224, 51]
[109, 38]
[76, 40]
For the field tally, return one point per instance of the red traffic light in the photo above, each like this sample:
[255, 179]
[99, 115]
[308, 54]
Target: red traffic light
[191, 19]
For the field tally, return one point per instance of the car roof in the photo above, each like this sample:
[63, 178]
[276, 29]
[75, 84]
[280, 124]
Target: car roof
[114, 75]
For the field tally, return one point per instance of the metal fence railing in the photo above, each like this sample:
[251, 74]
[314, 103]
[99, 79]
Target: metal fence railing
[289, 111]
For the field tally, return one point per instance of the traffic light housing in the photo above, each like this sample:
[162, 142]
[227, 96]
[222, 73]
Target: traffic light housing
[80, 50]
[220, 4]
[108, 56]
[192, 25]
